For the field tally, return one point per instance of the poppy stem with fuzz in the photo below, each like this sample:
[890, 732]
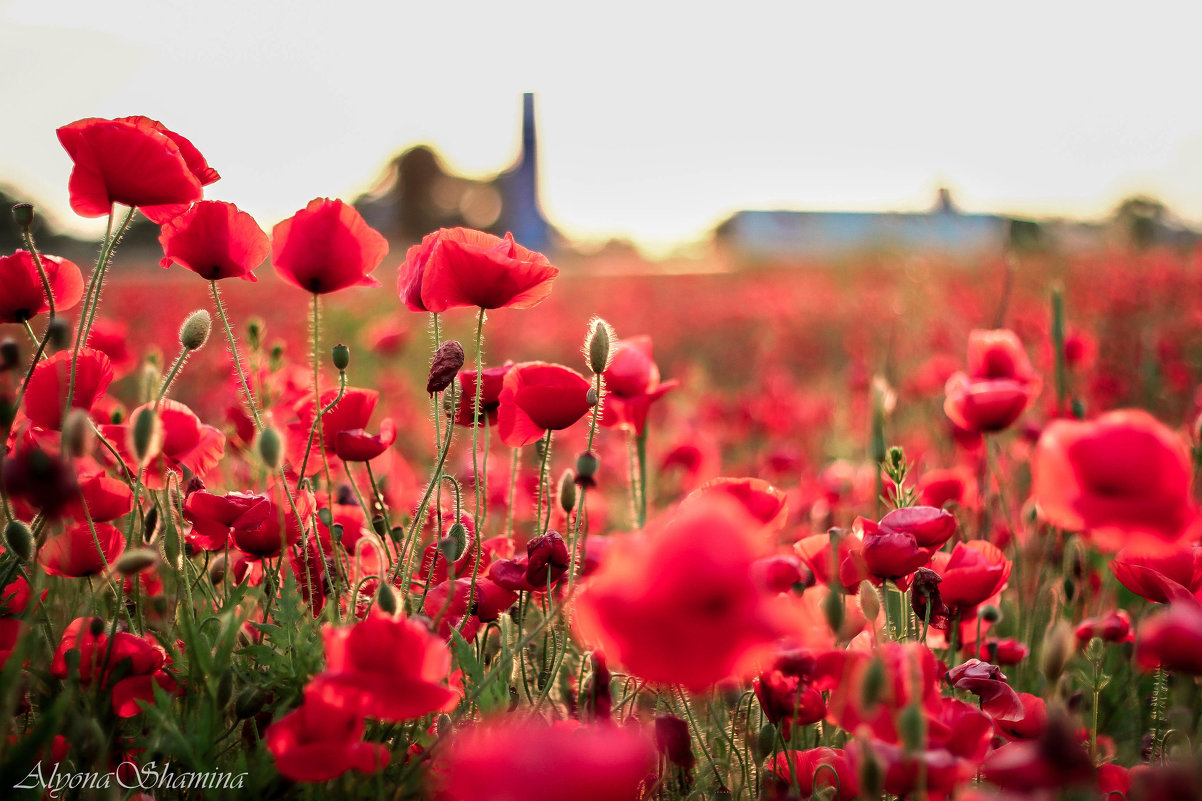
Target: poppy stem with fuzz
[317, 423]
[229, 335]
[317, 395]
[542, 480]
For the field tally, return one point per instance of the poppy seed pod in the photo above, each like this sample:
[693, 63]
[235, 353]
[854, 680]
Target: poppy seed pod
[448, 360]
[341, 356]
[598, 347]
[23, 215]
[194, 333]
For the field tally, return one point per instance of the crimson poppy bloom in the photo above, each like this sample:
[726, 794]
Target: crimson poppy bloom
[803, 770]
[490, 395]
[679, 602]
[456, 268]
[1115, 626]
[930, 526]
[343, 426]
[528, 761]
[1030, 724]
[632, 384]
[846, 565]
[891, 553]
[214, 516]
[447, 604]
[135, 161]
[1172, 639]
[1122, 479]
[1161, 576]
[537, 397]
[326, 246]
[317, 742]
[787, 690]
[73, 553]
[387, 668]
[46, 398]
[270, 522]
[24, 296]
[107, 498]
[972, 573]
[762, 501]
[997, 386]
[186, 443]
[215, 240]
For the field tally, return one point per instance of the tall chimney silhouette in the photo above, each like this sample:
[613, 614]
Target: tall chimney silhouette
[520, 211]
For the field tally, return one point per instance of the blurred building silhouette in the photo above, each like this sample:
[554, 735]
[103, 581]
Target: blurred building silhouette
[418, 195]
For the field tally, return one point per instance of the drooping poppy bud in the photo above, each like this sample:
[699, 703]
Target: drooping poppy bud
[194, 333]
[448, 360]
[548, 559]
[673, 740]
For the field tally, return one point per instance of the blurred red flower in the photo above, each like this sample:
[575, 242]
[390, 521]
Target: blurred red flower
[1172, 639]
[186, 443]
[135, 161]
[996, 387]
[972, 573]
[632, 384]
[803, 770]
[24, 296]
[73, 553]
[1161, 576]
[490, 395]
[215, 240]
[1122, 479]
[455, 268]
[139, 661]
[343, 427]
[761, 500]
[46, 398]
[537, 397]
[326, 246]
[317, 742]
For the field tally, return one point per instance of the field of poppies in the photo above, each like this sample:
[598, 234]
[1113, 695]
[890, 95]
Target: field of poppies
[451, 524]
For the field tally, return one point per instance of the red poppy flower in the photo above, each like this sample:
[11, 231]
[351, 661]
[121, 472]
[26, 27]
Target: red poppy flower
[73, 553]
[522, 761]
[1162, 576]
[997, 386]
[107, 498]
[447, 604]
[186, 443]
[787, 690]
[972, 573]
[679, 602]
[848, 567]
[111, 337]
[1031, 723]
[762, 501]
[537, 397]
[387, 668]
[135, 161]
[454, 268]
[270, 522]
[343, 426]
[46, 398]
[1172, 639]
[215, 240]
[490, 395]
[327, 246]
[24, 296]
[140, 661]
[931, 527]
[1122, 479]
[938, 488]
[1114, 627]
[317, 742]
[214, 516]
[632, 384]
[803, 770]
[891, 553]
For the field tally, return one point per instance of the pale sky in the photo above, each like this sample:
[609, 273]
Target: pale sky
[657, 119]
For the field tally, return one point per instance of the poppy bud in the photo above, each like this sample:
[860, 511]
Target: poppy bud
[10, 354]
[249, 702]
[990, 614]
[870, 600]
[270, 447]
[872, 774]
[673, 741]
[23, 215]
[765, 741]
[567, 491]
[95, 627]
[386, 600]
[217, 569]
[873, 684]
[1057, 648]
[448, 359]
[454, 543]
[19, 539]
[442, 725]
[134, 561]
[254, 332]
[912, 724]
[342, 357]
[147, 435]
[586, 466]
[194, 333]
[598, 346]
[150, 526]
[77, 434]
[591, 397]
[832, 607]
[58, 332]
[336, 531]
[378, 525]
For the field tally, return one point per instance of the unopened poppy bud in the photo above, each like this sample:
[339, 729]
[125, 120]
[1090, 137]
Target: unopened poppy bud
[448, 360]
[599, 345]
[912, 724]
[58, 333]
[10, 354]
[325, 516]
[872, 774]
[147, 434]
[1057, 648]
[19, 539]
[454, 543]
[990, 614]
[150, 526]
[873, 684]
[194, 333]
[379, 525]
[249, 702]
[870, 600]
[77, 434]
[271, 447]
[832, 607]
[586, 465]
[277, 353]
[673, 741]
[134, 561]
[1077, 407]
[567, 491]
[342, 357]
[23, 215]
[217, 569]
[336, 530]
[386, 599]
[591, 397]
[442, 725]
[254, 332]
[765, 741]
